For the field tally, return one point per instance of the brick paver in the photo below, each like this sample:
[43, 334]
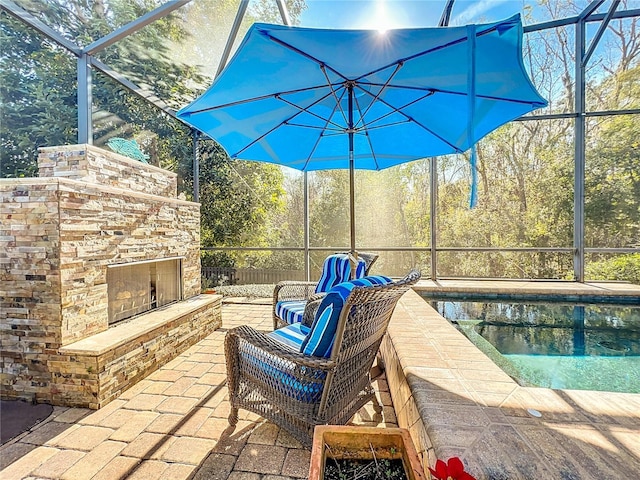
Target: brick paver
[173, 426]
[94, 461]
[261, 459]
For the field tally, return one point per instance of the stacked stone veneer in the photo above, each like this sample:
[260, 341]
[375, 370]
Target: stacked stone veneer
[89, 209]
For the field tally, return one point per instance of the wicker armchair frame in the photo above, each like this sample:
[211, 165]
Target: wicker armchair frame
[305, 291]
[317, 390]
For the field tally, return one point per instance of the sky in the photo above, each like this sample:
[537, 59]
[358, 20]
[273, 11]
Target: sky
[383, 14]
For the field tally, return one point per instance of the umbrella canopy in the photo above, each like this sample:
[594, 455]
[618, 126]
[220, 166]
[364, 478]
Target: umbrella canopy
[316, 99]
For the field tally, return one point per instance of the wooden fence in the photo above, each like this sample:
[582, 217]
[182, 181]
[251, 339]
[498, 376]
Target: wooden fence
[249, 276]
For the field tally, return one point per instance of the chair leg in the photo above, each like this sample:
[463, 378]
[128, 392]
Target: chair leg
[377, 369]
[233, 417]
[377, 407]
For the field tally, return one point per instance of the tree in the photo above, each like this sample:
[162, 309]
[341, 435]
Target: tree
[238, 199]
[37, 82]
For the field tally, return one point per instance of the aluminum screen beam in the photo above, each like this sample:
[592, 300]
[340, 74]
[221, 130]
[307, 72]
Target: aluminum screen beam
[600, 32]
[196, 166]
[284, 12]
[242, 8]
[596, 17]
[28, 19]
[433, 207]
[129, 85]
[591, 8]
[85, 121]
[579, 154]
[446, 14]
[307, 257]
[132, 27]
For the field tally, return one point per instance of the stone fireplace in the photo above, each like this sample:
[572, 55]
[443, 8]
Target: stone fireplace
[100, 277]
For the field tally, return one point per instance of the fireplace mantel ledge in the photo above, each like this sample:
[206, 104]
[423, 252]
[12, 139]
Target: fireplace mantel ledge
[80, 186]
[128, 331]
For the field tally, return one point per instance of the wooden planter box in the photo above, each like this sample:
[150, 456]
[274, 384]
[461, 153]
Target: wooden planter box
[353, 442]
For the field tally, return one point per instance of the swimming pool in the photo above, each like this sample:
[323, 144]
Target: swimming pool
[584, 346]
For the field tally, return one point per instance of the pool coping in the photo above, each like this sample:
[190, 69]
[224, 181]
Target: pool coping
[565, 289]
[456, 402]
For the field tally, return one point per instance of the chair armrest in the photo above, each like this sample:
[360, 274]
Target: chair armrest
[290, 290]
[311, 308]
[261, 341]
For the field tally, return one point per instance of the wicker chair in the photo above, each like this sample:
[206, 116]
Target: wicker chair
[299, 391]
[295, 295]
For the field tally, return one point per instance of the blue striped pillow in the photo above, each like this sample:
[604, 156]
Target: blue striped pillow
[337, 269]
[319, 341]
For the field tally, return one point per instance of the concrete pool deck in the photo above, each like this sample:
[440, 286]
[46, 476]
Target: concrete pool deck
[454, 400]
[531, 287]
[457, 402]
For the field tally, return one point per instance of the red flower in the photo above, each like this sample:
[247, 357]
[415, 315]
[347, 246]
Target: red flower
[452, 470]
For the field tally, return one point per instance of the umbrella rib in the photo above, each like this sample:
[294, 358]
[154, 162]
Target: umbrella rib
[316, 127]
[452, 92]
[257, 99]
[489, 97]
[301, 53]
[362, 114]
[397, 110]
[278, 126]
[373, 152]
[335, 96]
[306, 109]
[315, 146]
[430, 50]
[366, 133]
[424, 127]
[399, 122]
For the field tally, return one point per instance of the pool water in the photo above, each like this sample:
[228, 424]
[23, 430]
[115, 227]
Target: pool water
[554, 345]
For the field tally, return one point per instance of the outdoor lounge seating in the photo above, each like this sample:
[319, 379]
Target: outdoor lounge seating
[290, 299]
[299, 377]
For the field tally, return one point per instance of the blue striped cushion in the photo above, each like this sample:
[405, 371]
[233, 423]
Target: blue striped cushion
[308, 390]
[291, 311]
[337, 269]
[319, 341]
[292, 335]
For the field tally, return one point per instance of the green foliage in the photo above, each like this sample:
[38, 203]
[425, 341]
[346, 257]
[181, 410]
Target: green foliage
[37, 93]
[38, 87]
[623, 267]
[239, 200]
[39, 83]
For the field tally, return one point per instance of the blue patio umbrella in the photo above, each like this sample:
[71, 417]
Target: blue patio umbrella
[316, 99]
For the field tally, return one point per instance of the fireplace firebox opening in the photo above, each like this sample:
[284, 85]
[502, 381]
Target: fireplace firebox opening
[138, 287]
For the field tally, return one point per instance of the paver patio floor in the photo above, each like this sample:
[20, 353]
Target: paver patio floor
[172, 425]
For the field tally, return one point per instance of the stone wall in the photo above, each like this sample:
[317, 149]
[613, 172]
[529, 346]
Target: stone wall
[95, 165]
[59, 234]
[30, 287]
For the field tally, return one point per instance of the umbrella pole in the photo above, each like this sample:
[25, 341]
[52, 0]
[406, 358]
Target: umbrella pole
[352, 201]
[352, 204]
[352, 167]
